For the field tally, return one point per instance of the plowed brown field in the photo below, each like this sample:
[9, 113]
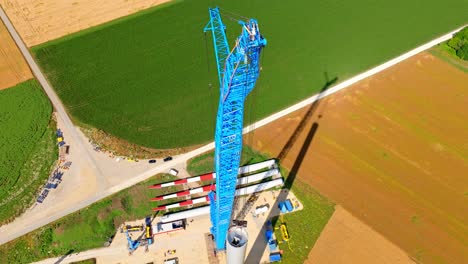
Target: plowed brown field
[38, 21]
[13, 67]
[393, 151]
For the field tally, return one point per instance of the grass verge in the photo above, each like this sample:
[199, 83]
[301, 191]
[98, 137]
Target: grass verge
[27, 147]
[445, 53]
[86, 261]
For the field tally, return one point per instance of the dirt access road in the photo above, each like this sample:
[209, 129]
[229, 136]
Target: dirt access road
[39, 21]
[13, 67]
[393, 151]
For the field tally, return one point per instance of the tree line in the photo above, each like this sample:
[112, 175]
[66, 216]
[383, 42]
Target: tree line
[459, 43]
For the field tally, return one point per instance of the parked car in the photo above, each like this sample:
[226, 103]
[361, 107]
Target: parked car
[152, 161]
[167, 158]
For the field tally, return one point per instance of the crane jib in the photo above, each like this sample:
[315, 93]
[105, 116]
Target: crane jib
[238, 71]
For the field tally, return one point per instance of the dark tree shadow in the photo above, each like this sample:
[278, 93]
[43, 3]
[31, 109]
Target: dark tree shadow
[260, 242]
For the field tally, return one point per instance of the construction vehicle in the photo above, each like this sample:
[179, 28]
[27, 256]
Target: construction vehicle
[149, 231]
[130, 228]
[284, 232]
[132, 244]
[143, 240]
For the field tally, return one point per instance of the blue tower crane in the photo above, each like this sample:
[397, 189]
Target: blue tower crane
[238, 70]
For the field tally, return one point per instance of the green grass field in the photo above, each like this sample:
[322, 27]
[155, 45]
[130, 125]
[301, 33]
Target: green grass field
[145, 78]
[27, 146]
[304, 226]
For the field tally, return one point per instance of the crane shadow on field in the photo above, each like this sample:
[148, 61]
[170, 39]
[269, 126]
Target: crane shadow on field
[62, 258]
[259, 244]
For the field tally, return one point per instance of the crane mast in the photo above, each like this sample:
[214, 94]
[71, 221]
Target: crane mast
[238, 71]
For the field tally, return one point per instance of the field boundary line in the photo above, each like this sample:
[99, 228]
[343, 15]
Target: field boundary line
[352, 80]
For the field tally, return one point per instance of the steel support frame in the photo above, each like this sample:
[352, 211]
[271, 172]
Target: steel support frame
[238, 71]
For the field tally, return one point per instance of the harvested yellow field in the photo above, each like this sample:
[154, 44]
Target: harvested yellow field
[39, 21]
[346, 239]
[13, 67]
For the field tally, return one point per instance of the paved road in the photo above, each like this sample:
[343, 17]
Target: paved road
[35, 220]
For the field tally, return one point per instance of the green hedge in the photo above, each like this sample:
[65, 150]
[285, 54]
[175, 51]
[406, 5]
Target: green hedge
[459, 44]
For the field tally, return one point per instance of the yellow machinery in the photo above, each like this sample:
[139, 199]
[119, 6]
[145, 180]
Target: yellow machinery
[148, 232]
[130, 228]
[284, 232]
[285, 236]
